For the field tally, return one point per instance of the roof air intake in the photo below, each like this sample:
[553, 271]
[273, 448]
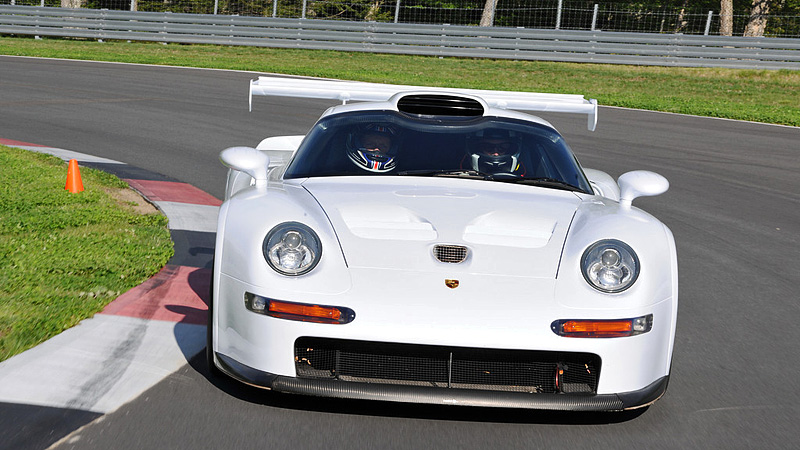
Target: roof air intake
[440, 105]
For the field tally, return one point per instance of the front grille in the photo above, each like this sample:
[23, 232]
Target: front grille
[447, 367]
[450, 253]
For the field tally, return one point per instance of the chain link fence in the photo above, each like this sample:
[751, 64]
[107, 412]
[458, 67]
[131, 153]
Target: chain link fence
[545, 14]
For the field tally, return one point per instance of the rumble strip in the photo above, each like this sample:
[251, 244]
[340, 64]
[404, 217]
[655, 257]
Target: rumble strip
[140, 338]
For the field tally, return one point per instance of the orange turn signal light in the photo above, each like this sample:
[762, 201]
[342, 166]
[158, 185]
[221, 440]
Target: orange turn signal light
[298, 311]
[311, 311]
[602, 328]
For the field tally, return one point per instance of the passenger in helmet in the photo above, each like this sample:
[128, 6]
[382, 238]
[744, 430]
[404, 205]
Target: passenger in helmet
[494, 151]
[373, 147]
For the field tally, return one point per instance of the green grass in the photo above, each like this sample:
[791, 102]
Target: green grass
[64, 256]
[756, 95]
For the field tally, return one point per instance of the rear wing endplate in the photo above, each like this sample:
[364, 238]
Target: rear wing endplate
[346, 91]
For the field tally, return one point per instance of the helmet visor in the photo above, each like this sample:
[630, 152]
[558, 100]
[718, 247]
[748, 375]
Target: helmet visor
[494, 147]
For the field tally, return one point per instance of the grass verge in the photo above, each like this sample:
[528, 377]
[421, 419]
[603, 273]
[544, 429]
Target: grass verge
[63, 257]
[755, 95]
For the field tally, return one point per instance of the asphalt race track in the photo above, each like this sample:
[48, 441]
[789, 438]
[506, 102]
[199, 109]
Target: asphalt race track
[733, 205]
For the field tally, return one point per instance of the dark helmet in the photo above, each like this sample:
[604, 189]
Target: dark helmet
[373, 147]
[494, 151]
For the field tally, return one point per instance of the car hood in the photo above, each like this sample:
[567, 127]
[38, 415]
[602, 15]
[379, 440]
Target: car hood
[395, 223]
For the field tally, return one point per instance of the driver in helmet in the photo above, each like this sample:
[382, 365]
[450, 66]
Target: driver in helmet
[494, 151]
[373, 147]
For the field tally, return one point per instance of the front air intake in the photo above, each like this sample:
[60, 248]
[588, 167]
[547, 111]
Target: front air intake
[434, 366]
[440, 105]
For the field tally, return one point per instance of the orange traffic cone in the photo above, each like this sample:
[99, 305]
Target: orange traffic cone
[74, 183]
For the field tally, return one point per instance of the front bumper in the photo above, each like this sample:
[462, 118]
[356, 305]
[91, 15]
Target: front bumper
[443, 396]
[451, 319]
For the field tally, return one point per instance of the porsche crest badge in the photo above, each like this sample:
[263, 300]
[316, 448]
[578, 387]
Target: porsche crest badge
[452, 284]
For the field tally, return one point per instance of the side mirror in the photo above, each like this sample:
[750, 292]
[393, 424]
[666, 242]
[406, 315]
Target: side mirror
[640, 183]
[247, 160]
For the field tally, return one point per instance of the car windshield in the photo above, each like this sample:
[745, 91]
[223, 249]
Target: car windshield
[387, 143]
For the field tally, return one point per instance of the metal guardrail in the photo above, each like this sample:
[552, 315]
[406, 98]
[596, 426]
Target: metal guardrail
[434, 40]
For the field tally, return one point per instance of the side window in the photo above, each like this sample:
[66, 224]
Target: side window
[333, 157]
[542, 166]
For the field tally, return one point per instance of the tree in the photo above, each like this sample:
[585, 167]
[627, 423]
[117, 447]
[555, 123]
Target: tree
[372, 13]
[681, 24]
[367, 10]
[726, 18]
[487, 18]
[758, 19]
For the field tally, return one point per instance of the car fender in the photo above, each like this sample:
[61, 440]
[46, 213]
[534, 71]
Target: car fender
[598, 219]
[246, 219]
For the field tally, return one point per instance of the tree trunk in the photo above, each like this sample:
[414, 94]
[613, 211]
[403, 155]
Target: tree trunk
[71, 3]
[758, 19]
[682, 18]
[487, 18]
[726, 18]
[373, 12]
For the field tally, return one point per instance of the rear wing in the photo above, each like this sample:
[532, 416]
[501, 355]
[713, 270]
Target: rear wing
[345, 91]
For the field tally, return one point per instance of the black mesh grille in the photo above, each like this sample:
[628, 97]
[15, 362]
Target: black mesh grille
[440, 105]
[450, 253]
[447, 367]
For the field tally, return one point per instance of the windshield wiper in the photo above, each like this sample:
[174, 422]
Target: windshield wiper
[447, 173]
[542, 181]
[501, 177]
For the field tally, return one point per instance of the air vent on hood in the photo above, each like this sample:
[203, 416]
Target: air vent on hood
[440, 105]
[450, 253]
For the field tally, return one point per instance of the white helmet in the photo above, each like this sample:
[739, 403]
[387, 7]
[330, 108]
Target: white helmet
[494, 151]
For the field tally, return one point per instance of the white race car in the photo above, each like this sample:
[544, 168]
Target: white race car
[437, 245]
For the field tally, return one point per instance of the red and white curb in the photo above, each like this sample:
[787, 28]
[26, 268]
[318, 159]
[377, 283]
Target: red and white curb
[140, 338]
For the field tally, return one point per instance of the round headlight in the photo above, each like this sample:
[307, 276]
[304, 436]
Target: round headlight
[610, 266]
[292, 248]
